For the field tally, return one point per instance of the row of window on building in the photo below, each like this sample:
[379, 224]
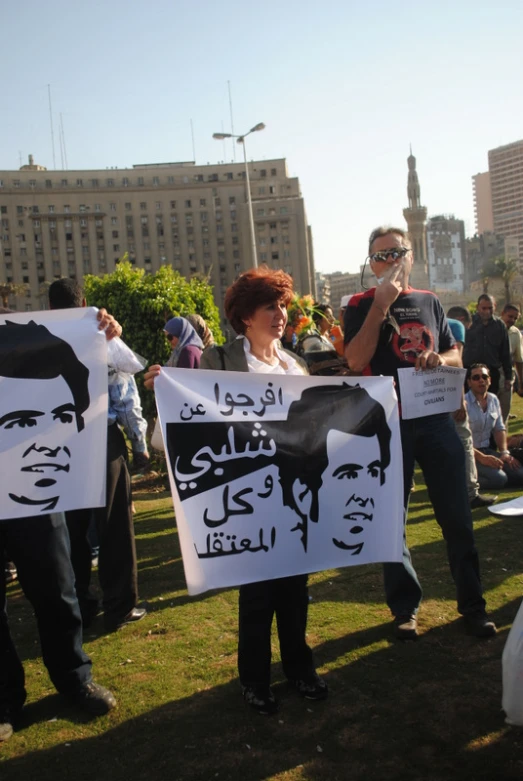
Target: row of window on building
[125, 181]
[159, 206]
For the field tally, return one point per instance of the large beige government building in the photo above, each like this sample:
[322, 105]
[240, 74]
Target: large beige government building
[193, 217]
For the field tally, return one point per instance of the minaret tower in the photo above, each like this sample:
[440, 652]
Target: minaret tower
[416, 218]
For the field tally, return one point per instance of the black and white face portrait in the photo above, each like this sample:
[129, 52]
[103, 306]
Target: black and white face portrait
[40, 435]
[51, 434]
[355, 467]
[270, 482]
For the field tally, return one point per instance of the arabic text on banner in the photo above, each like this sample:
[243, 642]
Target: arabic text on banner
[277, 475]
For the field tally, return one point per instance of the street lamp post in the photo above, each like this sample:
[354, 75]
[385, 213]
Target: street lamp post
[241, 140]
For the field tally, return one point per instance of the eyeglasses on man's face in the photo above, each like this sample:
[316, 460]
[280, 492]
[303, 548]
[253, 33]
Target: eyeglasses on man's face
[478, 377]
[393, 252]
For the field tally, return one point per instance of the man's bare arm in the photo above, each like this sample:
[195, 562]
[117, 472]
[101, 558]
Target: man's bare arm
[361, 349]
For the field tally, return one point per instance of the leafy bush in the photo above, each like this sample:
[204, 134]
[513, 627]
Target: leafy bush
[143, 302]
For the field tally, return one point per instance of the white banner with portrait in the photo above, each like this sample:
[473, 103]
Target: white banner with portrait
[53, 412]
[276, 475]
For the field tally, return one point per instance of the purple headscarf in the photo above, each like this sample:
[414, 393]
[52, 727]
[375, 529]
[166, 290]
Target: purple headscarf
[180, 327]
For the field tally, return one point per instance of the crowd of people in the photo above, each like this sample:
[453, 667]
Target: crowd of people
[458, 454]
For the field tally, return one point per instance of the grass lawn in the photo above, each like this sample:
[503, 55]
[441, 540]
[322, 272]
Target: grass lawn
[424, 710]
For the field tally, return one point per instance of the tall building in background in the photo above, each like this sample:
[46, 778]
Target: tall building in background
[506, 181]
[416, 218]
[446, 250]
[343, 284]
[480, 252]
[498, 197]
[483, 216]
[192, 217]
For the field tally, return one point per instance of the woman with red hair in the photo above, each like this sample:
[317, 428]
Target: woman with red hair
[256, 307]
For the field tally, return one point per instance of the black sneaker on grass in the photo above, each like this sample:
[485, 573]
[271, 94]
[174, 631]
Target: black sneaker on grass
[261, 698]
[312, 687]
[482, 500]
[405, 626]
[92, 698]
[479, 625]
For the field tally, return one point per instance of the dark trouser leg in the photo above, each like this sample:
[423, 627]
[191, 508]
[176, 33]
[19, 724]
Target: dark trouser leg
[40, 549]
[402, 589]
[12, 682]
[117, 568]
[440, 454]
[291, 598]
[77, 525]
[256, 610]
[494, 379]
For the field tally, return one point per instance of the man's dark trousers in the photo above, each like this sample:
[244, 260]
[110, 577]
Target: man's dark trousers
[434, 443]
[117, 566]
[39, 547]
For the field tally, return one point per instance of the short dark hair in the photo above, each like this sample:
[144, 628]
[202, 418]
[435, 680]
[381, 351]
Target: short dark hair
[322, 408]
[474, 366]
[65, 293]
[255, 288]
[31, 352]
[509, 307]
[486, 297]
[460, 313]
[319, 311]
[386, 230]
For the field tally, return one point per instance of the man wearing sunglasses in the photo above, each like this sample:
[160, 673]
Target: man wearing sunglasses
[393, 326]
[496, 468]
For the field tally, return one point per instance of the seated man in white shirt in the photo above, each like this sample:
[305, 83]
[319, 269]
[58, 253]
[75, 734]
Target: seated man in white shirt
[496, 468]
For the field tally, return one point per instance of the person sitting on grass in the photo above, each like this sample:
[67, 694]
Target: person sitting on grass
[496, 468]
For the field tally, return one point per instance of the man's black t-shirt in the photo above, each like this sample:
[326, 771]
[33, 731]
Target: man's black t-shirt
[416, 323]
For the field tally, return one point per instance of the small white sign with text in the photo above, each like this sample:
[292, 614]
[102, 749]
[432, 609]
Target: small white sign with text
[430, 391]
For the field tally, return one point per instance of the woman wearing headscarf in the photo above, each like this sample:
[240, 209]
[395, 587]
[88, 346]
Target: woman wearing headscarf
[185, 343]
[201, 328]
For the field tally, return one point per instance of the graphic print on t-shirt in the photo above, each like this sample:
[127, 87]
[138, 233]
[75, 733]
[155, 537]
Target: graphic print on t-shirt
[412, 340]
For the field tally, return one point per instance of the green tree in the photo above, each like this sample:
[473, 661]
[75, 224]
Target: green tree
[508, 270]
[143, 302]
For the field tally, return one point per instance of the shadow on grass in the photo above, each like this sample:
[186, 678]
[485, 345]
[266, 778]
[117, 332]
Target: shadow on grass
[500, 542]
[399, 712]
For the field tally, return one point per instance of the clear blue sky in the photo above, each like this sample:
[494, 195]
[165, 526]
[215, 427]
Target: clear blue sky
[343, 87]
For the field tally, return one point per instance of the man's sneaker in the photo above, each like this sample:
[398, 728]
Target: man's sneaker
[136, 614]
[8, 717]
[479, 625]
[312, 687]
[482, 500]
[405, 626]
[261, 698]
[92, 698]
[6, 725]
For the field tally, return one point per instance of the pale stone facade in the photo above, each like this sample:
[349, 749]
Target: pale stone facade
[193, 217]
[506, 182]
[446, 254]
[343, 285]
[483, 216]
